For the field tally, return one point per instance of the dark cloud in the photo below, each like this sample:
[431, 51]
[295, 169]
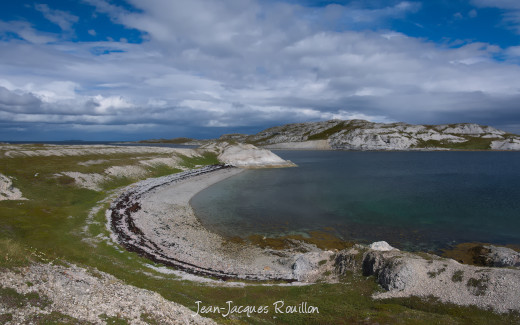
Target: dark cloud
[15, 103]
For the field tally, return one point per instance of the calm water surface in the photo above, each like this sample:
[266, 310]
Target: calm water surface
[414, 200]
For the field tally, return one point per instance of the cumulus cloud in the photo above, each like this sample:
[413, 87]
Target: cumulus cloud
[247, 64]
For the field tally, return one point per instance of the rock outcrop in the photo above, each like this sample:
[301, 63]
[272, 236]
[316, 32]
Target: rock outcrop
[405, 274]
[8, 191]
[364, 135]
[489, 255]
[246, 156]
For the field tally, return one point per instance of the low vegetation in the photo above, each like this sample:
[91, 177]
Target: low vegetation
[457, 276]
[471, 143]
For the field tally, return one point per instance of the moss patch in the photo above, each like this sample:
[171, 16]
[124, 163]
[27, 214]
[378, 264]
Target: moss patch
[114, 320]
[457, 276]
[55, 318]
[478, 287]
[433, 274]
[12, 299]
[471, 143]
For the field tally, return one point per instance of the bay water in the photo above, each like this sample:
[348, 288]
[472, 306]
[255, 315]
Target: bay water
[413, 200]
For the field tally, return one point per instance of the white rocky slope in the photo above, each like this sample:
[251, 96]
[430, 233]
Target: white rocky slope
[8, 191]
[364, 135]
[246, 156]
[404, 274]
[87, 296]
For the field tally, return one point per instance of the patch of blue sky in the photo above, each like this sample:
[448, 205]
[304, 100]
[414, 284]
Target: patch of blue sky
[88, 25]
[456, 23]
[450, 23]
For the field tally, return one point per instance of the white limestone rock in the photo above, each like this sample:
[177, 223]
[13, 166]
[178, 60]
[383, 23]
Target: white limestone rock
[381, 246]
[469, 129]
[247, 156]
[8, 191]
[507, 144]
[501, 256]
[309, 266]
[405, 274]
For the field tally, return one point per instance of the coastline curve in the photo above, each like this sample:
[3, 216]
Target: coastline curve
[154, 219]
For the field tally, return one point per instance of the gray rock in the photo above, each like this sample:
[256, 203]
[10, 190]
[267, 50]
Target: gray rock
[501, 256]
[309, 266]
[405, 274]
[348, 260]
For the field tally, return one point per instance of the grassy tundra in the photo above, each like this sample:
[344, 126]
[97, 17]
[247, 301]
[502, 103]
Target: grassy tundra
[63, 223]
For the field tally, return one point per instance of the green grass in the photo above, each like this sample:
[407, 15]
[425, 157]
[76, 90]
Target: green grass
[471, 143]
[50, 226]
[12, 299]
[207, 158]
[324, 135]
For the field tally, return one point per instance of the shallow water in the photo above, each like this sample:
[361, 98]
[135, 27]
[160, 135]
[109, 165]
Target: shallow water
[414, 200]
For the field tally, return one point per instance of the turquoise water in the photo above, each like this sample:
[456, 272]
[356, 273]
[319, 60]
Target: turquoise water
[414, 200]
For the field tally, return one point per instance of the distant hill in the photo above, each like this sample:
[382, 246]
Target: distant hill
[364, 135]
[173, 141]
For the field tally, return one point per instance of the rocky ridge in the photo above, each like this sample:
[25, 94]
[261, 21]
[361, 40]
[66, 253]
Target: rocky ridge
[364, 135]
[404, 274]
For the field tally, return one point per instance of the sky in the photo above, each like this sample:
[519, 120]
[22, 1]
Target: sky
[140, 69]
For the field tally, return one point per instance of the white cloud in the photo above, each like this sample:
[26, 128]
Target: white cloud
[26, 31]
[243, 63]
[61, 18]
[503, 4]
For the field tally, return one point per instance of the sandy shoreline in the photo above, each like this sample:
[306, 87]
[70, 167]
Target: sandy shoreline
[154, 218]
